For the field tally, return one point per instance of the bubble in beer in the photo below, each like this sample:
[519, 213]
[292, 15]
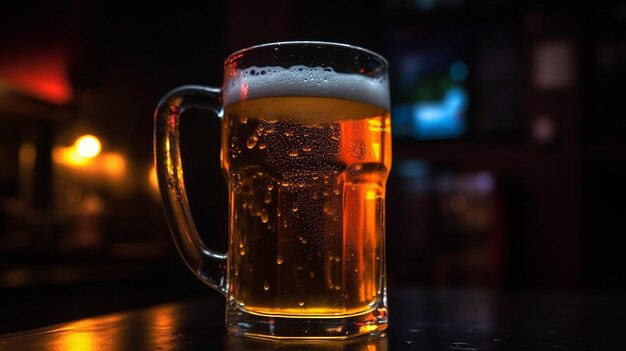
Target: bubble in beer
[267, 198]
[307, 148]
[264, 216]
[266, 286]
[279, 259]
[293, 153]
[294, 207]
[301, 303]
[262, 145]
[288, 133]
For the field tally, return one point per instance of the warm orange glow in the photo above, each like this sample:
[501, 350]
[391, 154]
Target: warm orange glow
[77, 341]
[113, 164]
[165, 322]
[152, 178]
[69, 157]
[88, 146]
[86, 335]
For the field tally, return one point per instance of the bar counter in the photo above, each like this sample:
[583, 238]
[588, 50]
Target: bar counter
[420, 319]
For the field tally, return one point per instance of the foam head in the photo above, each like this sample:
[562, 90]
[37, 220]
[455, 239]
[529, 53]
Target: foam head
[256, 82]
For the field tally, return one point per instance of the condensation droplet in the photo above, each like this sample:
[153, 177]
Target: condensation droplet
[279, 259]
[288, 133]
[303, 240]
[301, 303]
[312, 274]
[315, 177]
[293, 153]
[264, 216]
[267, 198]
[262, 145]
[294, 207]
[251, 143]
[328, 210]
[241, 244]
[307, 148]
[266, 286]
[270, 186]
[242, 252]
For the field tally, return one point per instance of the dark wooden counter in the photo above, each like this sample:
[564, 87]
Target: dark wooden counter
[420, 320]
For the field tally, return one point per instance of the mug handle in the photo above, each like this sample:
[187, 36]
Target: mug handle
[208, 265]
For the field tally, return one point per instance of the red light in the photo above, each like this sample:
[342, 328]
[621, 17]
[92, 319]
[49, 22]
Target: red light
[40, 73]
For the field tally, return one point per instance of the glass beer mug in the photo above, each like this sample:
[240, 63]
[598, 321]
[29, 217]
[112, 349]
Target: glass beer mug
[306, 150]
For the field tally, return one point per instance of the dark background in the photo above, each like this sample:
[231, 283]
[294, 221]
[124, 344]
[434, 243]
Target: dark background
[530, 196]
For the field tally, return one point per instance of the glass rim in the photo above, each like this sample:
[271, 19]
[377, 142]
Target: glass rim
[232, 57]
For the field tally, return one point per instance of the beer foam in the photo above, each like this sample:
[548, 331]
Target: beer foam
[256, 82]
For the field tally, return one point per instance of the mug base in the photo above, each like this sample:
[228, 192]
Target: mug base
[241, 322]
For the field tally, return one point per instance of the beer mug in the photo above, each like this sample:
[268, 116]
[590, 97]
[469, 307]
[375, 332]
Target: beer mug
[306, 150]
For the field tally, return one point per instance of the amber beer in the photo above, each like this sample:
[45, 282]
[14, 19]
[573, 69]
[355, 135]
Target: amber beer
[307, 181]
